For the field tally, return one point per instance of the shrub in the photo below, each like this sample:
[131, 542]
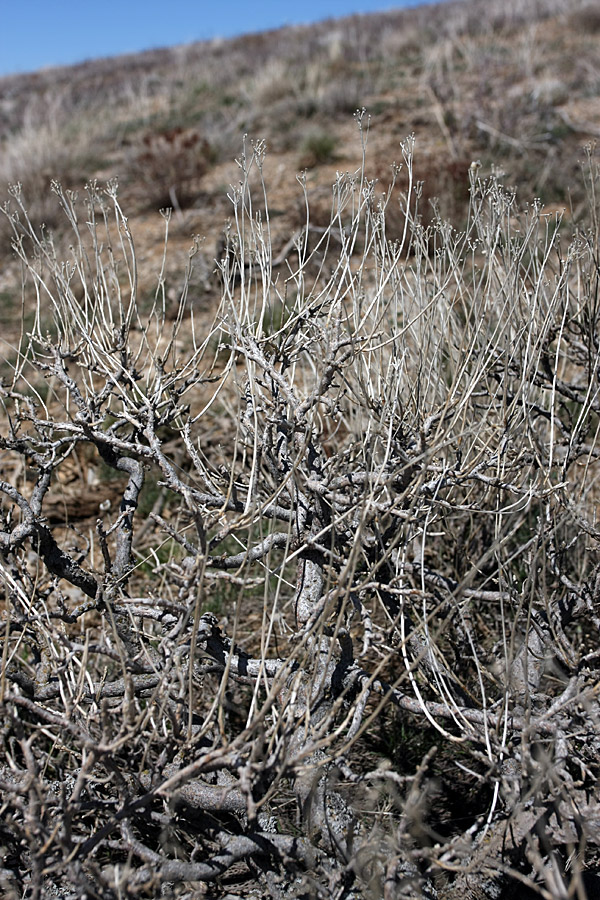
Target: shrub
[383, 477]
[317, 148]
[167, 166]
[586, 18]
[33, 157]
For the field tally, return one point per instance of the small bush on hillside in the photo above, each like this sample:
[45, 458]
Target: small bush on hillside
[586, 18]
[317, 148]
[167, 167]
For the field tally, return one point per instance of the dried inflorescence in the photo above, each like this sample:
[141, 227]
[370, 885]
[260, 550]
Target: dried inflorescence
[329, 628]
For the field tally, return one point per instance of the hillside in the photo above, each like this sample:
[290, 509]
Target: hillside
[514, 86]
[300, 467]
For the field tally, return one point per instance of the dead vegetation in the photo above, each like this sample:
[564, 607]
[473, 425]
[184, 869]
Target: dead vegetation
[513, 85]
[325, 621]
[299, 556]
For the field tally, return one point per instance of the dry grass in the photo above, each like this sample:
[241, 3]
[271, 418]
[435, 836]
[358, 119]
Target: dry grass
[489, 81]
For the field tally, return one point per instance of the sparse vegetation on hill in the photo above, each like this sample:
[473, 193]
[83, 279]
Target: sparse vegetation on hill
[512, 84]
[298, 540]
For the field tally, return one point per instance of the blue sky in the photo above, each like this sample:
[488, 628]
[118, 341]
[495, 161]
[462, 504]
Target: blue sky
[46, 33]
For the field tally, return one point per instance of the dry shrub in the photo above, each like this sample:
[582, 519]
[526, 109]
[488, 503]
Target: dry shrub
[33, 157]
[586, 19]
[335, 634]
[165, 169]
[272, 83]
[318, 148]
[435, 187]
